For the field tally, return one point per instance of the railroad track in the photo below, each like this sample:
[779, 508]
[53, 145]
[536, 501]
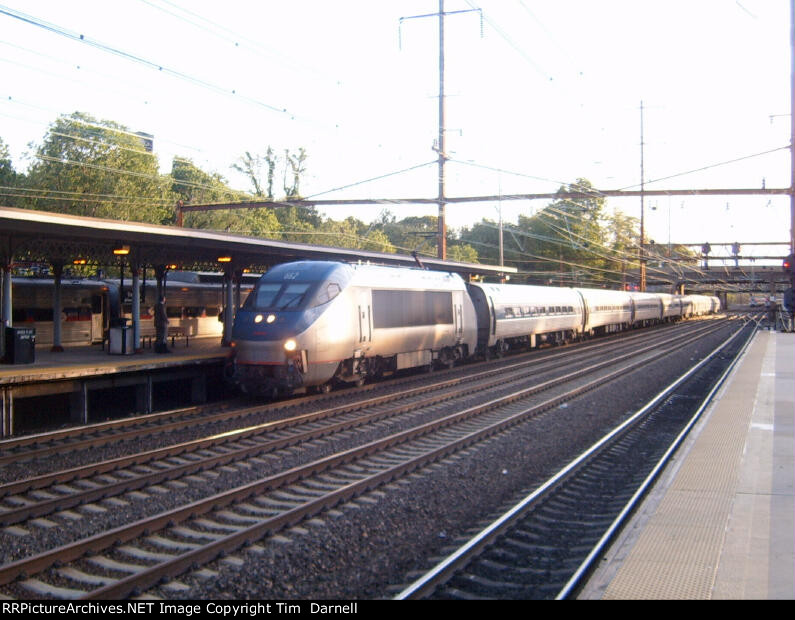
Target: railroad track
[545, 545]
[218, 418]
[42, 495]
[169, 543]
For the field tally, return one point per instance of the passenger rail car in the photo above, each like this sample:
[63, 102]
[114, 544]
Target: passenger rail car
[85, 308]
[510, 315]
[194, 303]
[308, 324]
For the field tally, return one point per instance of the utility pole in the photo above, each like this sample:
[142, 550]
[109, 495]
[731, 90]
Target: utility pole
[442, 243]
[441, 200]
[792, 130]
[641, 251]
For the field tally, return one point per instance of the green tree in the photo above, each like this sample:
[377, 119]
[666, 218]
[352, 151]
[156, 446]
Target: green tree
[462, 253]
[352, 233]
[195, 186]
[568, 236]
[416, 233]
[294, 168]
[9, 178]
[622, 239]
[98, 169]
[252, 167]
[484, 237]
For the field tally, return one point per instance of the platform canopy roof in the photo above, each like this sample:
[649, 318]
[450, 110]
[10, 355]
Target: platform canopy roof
[37, 236]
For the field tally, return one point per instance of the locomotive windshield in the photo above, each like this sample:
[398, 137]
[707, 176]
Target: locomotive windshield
[295, 286]
[276, 296]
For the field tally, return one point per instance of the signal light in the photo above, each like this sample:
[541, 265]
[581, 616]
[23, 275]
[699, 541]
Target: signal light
[788, 262]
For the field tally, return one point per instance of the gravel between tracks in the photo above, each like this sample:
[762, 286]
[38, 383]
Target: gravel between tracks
[368, 548]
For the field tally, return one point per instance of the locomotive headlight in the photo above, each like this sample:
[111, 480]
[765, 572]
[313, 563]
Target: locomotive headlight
[258, 318]
[271, 318]
[290, 345]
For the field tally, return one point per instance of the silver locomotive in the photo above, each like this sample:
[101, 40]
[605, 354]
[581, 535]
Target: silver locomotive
[310, 324]
[307, 324]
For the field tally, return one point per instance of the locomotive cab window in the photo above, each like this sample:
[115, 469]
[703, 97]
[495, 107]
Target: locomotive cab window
[276, 296]
[326, 293]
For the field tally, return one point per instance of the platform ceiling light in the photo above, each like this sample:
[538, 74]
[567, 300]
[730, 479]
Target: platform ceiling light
[123, 250]
[224, 259]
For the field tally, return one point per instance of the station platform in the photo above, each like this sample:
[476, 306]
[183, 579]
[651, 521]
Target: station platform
[83, 361]
[720, 522]
[75, 385]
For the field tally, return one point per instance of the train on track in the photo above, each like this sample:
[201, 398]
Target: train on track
[313, 324]
[194, 302]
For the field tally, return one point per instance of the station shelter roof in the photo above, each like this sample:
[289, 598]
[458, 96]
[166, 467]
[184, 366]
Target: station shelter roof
[37, 236]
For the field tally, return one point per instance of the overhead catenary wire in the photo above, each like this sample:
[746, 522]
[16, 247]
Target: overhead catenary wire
[630, 257]
[80, 38]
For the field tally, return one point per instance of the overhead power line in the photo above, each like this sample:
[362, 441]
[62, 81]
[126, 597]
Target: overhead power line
[80, 38]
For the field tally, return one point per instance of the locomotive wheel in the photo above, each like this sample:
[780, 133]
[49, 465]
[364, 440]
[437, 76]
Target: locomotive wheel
[447, 358]
[324, 388]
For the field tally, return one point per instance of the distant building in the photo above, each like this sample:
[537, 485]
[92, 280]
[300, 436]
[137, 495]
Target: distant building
[147, 140]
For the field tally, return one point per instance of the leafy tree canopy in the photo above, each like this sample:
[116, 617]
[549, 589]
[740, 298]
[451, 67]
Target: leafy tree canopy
[98, 169]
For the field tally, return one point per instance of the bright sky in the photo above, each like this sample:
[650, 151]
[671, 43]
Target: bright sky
[540, 93]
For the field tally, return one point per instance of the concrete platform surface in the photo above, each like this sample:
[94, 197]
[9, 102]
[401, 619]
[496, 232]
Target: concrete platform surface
[86, 361]
[720, 523]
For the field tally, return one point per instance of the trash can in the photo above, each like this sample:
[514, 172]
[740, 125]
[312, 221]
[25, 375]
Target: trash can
[120, 338]
[20, 345]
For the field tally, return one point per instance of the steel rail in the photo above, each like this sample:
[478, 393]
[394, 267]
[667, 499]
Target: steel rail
[126, 484]
[46, 479]
[170, 568]
[122, 534]
[587, 564]
[139, 421]
[443, 571]
[148, 424]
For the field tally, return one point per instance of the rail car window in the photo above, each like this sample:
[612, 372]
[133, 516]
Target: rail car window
[194, 311]
[412, 308]
[29, 315]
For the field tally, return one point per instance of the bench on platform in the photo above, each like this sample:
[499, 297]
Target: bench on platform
[178, 332]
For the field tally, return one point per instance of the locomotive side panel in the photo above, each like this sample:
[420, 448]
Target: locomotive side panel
[417, 316]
